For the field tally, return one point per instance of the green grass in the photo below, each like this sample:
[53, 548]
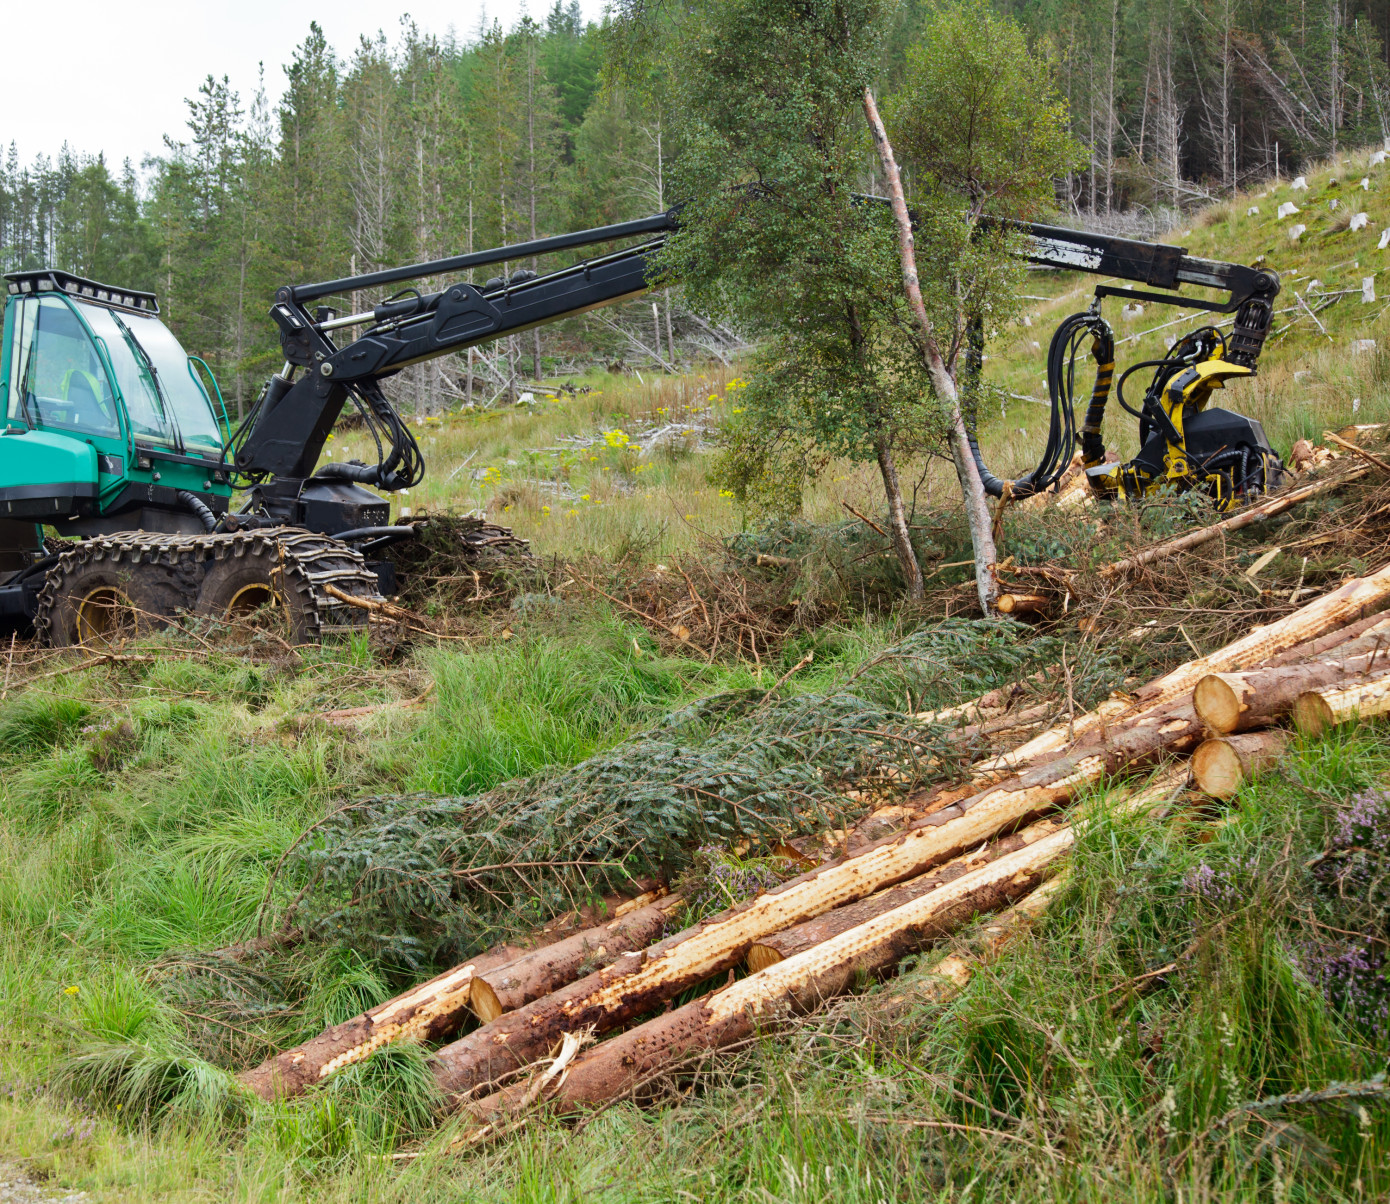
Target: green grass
[1052, 1077]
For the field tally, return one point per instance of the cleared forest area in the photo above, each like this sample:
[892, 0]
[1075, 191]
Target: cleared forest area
[649, 844]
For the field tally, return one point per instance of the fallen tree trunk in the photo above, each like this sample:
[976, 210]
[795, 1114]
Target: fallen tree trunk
[1334, 640]
[543, 970]
[640, 982]
[1238, 702]
[799, 983]
[1318, 710]
[781, 945]
[1266, 509]
[1349, 602]
[611, 997]
[1222, 766]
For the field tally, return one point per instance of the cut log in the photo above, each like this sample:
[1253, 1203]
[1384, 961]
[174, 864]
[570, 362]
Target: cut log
[436, 1010]
[611, 997]
[431, 1011]
[1265, 509]
[1238, 702]
[781, 945]
[1335, 640]
[1349, 602]
[987, 705]
[799, 983]
[1222, 766]
[1022, 604]
[1318, 710]
[952, 973]
[543, 970]
[640, 982]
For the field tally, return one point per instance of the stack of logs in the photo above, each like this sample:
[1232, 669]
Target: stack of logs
[994, 842]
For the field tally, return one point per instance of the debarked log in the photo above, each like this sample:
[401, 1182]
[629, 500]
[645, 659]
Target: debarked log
[781, 945]
[1220, 767]
[430, 1011]
[799, 983]
[1350, 602]
[1318, 710]
[543, 970]
[436, 1010]
[638, 983]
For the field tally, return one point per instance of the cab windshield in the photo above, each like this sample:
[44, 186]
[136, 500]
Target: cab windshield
[181, 390]
[165, 401]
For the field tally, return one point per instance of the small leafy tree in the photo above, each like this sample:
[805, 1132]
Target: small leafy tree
[979, 116]
[773, 164]
[774, 235]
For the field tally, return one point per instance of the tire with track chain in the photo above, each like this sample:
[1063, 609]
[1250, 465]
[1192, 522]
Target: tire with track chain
[112, 587]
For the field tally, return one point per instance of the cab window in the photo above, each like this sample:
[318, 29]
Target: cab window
[65, 386]
[148, 418]
[24, 313]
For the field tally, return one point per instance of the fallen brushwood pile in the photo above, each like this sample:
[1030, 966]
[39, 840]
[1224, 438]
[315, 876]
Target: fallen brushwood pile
[1203, 585]
[996, 841]
[460, 560]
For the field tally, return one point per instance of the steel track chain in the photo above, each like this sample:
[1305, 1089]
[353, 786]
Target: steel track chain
[309, 562]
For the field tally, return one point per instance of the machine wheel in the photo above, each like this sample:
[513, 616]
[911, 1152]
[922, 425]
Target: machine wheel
[281, 578]
[96, 596]
[116, 586]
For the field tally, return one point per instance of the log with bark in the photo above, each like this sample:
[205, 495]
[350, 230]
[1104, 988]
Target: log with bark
[437, 1009]
[637, 983]
[430, 1011]
[610, 998]
[1238, 702]
[1022, 604]
[1260, 510]
[1220, 767]
[1317, 710]
[782, 945]
[543, 970]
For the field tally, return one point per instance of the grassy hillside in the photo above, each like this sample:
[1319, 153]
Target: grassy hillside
[1200, 965]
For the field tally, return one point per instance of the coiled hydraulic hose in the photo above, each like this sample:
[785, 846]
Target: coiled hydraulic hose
[1061, 390]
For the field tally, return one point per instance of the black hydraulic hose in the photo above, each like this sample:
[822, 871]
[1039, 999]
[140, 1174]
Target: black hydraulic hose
[196, 504]
[1061, 387]
[376, 535]
[363, 474]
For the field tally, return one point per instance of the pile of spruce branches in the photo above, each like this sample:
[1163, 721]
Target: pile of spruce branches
[418, 881]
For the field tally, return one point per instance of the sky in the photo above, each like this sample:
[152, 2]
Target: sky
[114, 76]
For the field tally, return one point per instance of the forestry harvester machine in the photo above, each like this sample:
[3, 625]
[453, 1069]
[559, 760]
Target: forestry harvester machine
[117, 471]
